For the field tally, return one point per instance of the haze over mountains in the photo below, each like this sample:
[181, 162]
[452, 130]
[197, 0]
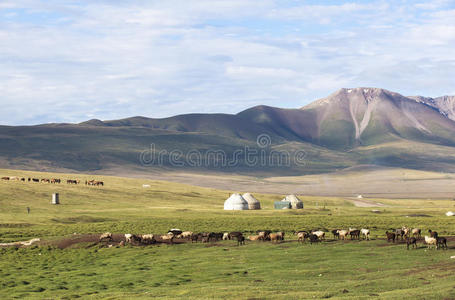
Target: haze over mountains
[350, 127]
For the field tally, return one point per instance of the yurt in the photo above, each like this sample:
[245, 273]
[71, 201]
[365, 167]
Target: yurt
[296, 203]
[235, 202]
[253, 203]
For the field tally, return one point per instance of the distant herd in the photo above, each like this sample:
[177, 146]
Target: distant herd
[52, 180]
[411, 236]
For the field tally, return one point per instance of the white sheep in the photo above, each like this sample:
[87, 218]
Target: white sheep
[365, 233]
[431, 241]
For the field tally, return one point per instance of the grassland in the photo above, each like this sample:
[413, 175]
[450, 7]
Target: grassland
[350, 270]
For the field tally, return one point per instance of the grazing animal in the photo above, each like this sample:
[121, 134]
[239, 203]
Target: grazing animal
[148, 239]
[336, 234]
[240, 240]
[254, 237]
[234, 234]
[433, 234]
[5, 178]
[391, 236]
[406, 231]
[186, 234]
[29, 179]
[313, 238]
[365, 233]
[194, 238]
[23, 179]
[431, 241]
[441, 242]
[280, 235]
[35, 179]
[55, 180]
[342, 234]
[46, 180]
[355, 234]
[175, 231]
[264, 234]
[399, 233]
[132, 239]
[168, 238]
[107, 236]
[320, 234]
[71, 181]
[411, 241]
[226, 236]
[302, 236]
[274, 237]
[416, 232]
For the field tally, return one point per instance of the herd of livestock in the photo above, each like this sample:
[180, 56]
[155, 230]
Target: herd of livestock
[411, 236]
[52, 180]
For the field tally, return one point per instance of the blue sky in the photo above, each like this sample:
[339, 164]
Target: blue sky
[70, 61]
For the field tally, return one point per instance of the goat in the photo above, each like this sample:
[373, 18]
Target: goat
[336, 233]
[342, 234]
[433, 234]
[441, 242]
[320, 234]
[411, 241]
[240, 240]
[390, 236]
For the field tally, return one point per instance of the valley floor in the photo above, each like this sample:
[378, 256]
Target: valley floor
[258, 270]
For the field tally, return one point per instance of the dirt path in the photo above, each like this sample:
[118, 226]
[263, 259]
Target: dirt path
[366, 203]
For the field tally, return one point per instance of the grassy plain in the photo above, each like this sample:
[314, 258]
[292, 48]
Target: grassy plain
[350, 270]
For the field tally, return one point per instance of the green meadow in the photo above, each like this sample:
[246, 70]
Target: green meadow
[258, 270]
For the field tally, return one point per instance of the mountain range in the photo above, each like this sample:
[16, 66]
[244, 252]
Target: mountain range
[350, 127]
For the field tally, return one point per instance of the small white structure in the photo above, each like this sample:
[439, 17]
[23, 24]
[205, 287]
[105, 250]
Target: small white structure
[450, 214]
[296, 203]
[253, 203]
[55, 199]
[146, 185]
[235, 202]
[359, 197]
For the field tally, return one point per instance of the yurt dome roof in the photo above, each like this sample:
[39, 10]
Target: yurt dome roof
[253, 203]
[235, 202]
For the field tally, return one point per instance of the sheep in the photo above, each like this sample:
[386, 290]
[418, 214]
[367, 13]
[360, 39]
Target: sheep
[106, 236]
[365, 233]
[441, 242]
[186, 235]
[342, 234]
[405, 231]
[264, 234]
[411, 241]
[226, 236]
[391, 236]
[148, 239]
[168, 237]
[416, 232]
[302, 236]
[431, 241]
[132, 238]
[433, 234]
[254, 237]
[320, 234]
[274, 237]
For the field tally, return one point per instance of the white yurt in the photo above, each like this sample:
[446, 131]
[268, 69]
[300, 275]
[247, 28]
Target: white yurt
[235, 202]
[253, 203]
[296, 203]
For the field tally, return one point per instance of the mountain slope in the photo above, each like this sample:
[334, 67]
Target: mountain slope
[349, 127]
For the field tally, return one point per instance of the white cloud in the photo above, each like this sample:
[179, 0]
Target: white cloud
[78, 60]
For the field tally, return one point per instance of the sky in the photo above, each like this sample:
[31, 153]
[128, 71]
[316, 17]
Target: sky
[70, 61]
